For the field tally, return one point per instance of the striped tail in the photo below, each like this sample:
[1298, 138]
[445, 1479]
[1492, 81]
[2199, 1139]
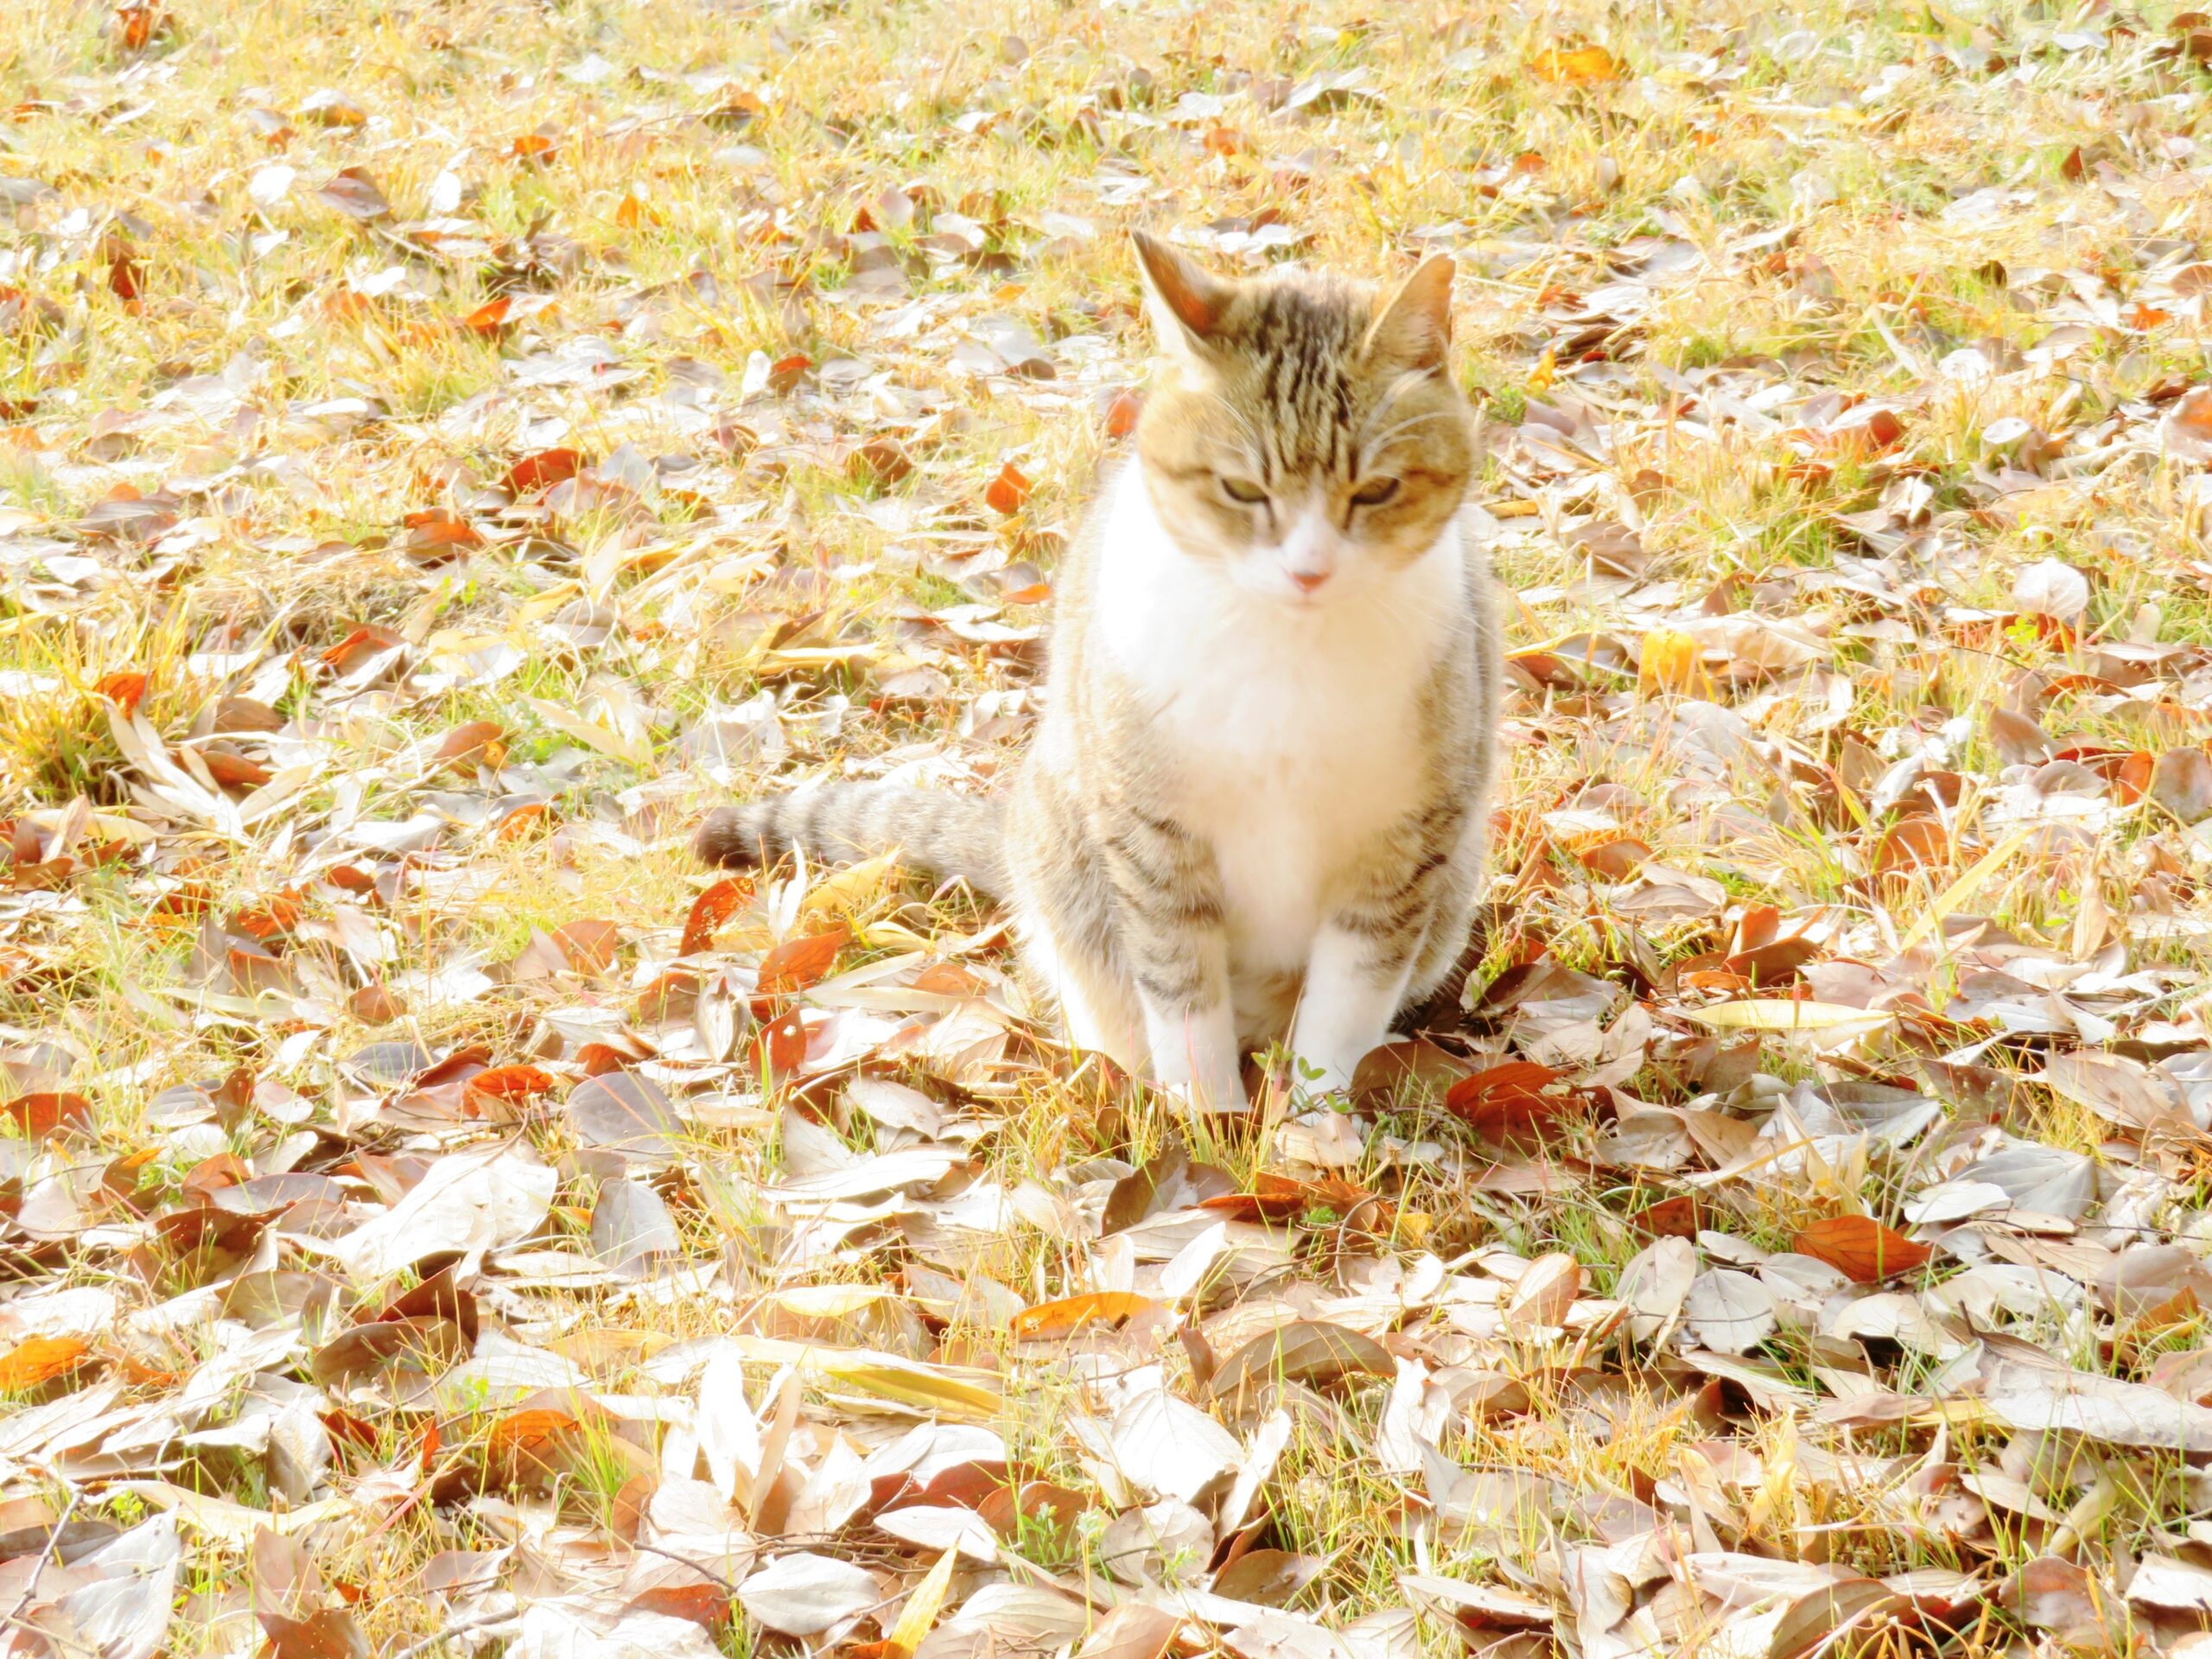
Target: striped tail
[947, 836]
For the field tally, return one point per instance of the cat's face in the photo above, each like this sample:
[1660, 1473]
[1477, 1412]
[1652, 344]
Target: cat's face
[1305, 433]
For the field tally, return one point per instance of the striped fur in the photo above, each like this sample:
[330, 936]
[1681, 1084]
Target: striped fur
[1255, 807]
[952, 837]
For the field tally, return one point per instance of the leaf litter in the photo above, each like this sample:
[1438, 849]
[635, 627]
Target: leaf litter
[442, 459]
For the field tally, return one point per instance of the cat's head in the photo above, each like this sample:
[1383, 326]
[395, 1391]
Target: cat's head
[1304, 432]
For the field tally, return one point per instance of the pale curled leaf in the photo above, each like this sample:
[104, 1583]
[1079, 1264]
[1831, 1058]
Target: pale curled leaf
[1784, 1015]
[804, 1594]
[1729, 1312]
[467, 1201]
[1655, 1285]
[1171, 1446]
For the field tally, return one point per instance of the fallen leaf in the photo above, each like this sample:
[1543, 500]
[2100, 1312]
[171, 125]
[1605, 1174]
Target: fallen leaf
[2181, 782]
[1171, 1446]
[1576, 65]
[1669, 662]
[804, 1594]
[41, 1359]
[1729, 1312]
[1656, 1285]
[1008, 491]
[1073, 1313]
[923, 1605]
[1131, 1631]
[542, 471]
[1861, 1247]
[354, 194]
[1778, 1013]
[796, 963]
[40, 1114]
[1312, 1351]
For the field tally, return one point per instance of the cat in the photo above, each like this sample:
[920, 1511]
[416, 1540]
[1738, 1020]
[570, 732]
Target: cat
[1254, 806]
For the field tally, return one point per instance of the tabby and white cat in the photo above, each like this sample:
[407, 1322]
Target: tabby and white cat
[1255, 803]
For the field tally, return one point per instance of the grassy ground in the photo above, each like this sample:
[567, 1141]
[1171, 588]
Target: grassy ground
[443, 447]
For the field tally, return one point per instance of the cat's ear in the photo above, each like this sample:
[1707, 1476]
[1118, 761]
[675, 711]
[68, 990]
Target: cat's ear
[1412, 329]
[1187, 306]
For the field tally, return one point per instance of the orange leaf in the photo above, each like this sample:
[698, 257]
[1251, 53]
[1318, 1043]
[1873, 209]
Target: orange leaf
[488, 318]
[125, 689]
[510, 1081]
[782, 1043]
[1505, 1099]
[531, 815]
[2133, 777]
[228, 768]
[1272, 1197]
[280, 915]
[527, 1431]
[796, 963]
[471, 741]
[1910, 843]
[39, 1116]
[597, 1059]
[1072, 1313]
[589, 944]
[359, 646]
[1576, 65]
[1862, 1247]
[1008, 491]
[1122, 412]
[134, 26]
[543, 470]
[529, 1444]
[710, 910]
[1277, 1197]
[785, 372]
[41, 1359]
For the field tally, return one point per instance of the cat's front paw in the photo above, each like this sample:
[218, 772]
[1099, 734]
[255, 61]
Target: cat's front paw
[1197, 1097]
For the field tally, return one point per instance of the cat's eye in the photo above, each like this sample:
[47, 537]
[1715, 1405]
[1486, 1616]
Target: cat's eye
[1242, 489]
[1375, 492]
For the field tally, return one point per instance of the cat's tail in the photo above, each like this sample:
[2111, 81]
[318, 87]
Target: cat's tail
[947, 836]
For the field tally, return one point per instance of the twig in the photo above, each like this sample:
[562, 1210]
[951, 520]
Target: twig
[436, 1636]
[14, 1617]
[685, 1561]
[53, 1543]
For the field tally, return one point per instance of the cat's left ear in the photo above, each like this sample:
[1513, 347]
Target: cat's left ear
[1412, 329]
[1188, 306]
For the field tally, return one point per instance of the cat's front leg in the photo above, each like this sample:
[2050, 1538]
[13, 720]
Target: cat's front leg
[1173, 941]
[1354, 985]
[1194, 1050]
[1181, 963]
[1364, 957]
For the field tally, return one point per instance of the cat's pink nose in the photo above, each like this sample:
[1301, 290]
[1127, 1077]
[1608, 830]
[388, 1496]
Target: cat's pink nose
[1307, 581]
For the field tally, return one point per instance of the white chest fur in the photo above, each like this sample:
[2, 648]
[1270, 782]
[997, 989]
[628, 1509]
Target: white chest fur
[1290, 731]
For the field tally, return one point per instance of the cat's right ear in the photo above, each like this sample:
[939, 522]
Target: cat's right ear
[1187, 306]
